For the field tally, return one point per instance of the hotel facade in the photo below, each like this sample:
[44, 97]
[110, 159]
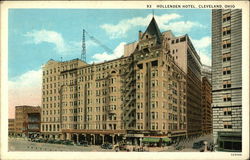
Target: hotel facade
[153, 90]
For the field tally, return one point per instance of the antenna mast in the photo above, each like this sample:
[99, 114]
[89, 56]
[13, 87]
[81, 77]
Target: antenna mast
[83, 54]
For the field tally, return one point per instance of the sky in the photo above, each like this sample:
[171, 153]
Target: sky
[38, 35]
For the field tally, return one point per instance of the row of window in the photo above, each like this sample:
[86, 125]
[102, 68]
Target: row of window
[50, 71]
[182, 39]
[155, 126]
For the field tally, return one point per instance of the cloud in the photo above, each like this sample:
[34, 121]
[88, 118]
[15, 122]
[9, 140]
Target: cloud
[202, 46]
[180, 27]
[205, 58]
[202, 43]
[40, 36]
[121, 28]
[25, 90]
[61, 46]
[118, 52]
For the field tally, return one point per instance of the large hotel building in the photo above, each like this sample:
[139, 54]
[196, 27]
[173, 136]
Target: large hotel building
[153, 90]
[227, 78]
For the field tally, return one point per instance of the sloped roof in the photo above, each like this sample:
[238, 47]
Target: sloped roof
[153, 29]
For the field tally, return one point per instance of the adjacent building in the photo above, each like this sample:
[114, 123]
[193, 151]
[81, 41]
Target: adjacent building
[27, 121]
[185, 55]
[227, 79]
[206, 71]
[11, 127]
[153, 90]
[207, 125]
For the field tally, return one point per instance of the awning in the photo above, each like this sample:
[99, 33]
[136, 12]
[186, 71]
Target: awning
[155, 139]
[166, 139]
[149, 139]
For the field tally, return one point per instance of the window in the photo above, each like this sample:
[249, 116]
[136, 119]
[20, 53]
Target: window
[227, 84]
[226, 57]
[153, 84]
[226, 30]
[154, 63]
[227, 98]
[140, 66]
[227, 111]
[226, 70]
[226, 43]
[182, 39]
[226, 17]
[153, 115]
[227, 124]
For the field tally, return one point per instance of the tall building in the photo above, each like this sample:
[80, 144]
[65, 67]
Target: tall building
[206, 71]
[206, 106]
[185, 55]
[143, 93]
[227, 78]
[27, 121]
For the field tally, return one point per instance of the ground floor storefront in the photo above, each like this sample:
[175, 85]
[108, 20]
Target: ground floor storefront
[229, 141]
[99, 137]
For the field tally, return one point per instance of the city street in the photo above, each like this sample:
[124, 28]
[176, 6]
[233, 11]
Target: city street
[20, 144]
[188, 144]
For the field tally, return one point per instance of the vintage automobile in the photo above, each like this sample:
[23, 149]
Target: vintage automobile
[67, 142]
[83, 143]
[198, 145]
[107, 146]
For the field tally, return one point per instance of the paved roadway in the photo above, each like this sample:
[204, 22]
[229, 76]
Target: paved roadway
[188, 144]
[18, 144]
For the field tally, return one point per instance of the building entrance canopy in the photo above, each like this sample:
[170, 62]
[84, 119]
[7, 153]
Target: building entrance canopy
[156, 139]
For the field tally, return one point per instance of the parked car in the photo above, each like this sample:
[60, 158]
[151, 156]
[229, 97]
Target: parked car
[58, 141]
[83, 143]
[107, 146]
[123, 147]
[67, 142]
[43, 140]
[198, 145]
[179, 147]
[51, 141]
[35, 140]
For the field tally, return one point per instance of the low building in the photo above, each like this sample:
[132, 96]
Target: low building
[11, 127]
[27, 121]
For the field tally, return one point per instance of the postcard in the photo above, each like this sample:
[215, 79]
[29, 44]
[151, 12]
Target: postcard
[125, 80]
